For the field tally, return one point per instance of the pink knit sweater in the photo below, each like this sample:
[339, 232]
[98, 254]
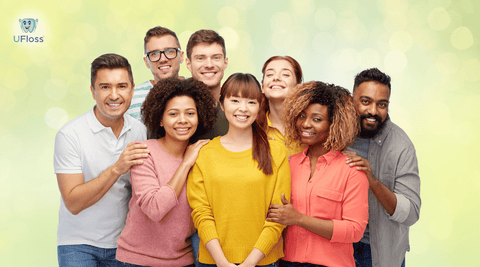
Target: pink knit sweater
[159, 225]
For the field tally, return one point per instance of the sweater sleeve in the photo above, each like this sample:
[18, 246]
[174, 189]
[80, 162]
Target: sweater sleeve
[154, 199]
[272, 231]
[202, 214]
[355, 210]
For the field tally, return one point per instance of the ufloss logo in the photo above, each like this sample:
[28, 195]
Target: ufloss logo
[28, 25]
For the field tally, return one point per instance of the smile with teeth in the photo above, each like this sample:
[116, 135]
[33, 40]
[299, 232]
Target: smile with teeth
[371, 119]
[114, 105]
[182, 130]
[241, 117]
[208, 74]
[277, 87]
[165, 67]
[307, 134]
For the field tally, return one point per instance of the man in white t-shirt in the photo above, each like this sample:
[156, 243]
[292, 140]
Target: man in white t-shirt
[163, 56]
[92, 158]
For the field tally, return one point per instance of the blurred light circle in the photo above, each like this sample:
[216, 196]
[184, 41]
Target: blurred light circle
[56, 117]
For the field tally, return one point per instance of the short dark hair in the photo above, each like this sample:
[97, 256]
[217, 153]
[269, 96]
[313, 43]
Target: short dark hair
[205, 36]
[372, 74]
[154, 105]
[109, 61]
[158, 31]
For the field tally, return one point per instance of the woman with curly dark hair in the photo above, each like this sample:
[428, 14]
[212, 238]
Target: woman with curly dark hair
[329, 202]
[159, 223]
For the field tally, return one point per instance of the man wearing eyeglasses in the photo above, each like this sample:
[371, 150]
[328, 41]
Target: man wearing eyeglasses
[163, 57]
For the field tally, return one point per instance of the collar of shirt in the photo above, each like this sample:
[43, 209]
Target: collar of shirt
[328, 158]
[379, 139]
[96, 126]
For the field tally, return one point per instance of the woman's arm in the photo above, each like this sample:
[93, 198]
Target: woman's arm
[155, 199]
[213, 246]
[354, 216]
[286, 214]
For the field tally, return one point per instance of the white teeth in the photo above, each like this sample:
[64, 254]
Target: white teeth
[208, 74]
[371, 119]
[114, 105]
[164, 67]
[307, 133]
[277, 87]
[242, 117]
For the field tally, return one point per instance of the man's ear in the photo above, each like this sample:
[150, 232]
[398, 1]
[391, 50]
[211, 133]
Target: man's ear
[189, 64]
[93, 93]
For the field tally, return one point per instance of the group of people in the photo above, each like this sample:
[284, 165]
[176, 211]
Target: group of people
[189, 172]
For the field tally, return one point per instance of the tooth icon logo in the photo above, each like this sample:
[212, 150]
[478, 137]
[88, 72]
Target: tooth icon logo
[28, 25]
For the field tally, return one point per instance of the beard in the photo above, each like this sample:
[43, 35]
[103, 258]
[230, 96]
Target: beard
[368, 133]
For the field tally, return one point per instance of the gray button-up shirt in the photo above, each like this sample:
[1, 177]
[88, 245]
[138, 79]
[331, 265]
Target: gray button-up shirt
[392, 158]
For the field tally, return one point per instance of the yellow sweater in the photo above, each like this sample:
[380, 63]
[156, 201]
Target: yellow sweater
[273, 132]
[230, 197]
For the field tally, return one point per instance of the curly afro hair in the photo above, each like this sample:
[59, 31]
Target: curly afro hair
[154, 105]
[341, 112]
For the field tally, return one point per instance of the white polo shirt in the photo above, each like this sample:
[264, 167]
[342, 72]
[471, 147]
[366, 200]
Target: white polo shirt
[84, 145]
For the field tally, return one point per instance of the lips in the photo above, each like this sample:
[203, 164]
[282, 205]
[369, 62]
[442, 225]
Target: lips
[208, 74]
[277, 87]
[164, 68]
[241, 117]
[114, 105]
[182, 130]
[306, 134]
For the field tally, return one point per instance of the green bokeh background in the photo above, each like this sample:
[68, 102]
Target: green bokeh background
[430, 48]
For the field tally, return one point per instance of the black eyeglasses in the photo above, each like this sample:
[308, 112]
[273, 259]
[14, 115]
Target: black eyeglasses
[169, 53]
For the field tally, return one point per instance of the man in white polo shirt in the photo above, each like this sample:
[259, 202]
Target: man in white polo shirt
[92, 158]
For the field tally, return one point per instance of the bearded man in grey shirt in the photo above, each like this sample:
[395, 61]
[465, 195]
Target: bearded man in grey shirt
[386, 154]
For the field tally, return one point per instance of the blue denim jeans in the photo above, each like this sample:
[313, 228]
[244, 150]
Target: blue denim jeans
[363, 255]
[213, 265]
[196, 246]
[87, 256]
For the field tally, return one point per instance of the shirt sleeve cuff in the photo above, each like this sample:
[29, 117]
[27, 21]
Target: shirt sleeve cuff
[401, 210]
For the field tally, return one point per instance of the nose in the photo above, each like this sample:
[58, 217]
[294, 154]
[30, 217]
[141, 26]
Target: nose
[372, 109]
[114, 94]
[306, 123]
[163, 58]
[208, 62]
[243, 106]
[277, 77]
[181, 118]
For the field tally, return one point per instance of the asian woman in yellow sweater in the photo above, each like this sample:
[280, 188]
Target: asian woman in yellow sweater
[235, 179]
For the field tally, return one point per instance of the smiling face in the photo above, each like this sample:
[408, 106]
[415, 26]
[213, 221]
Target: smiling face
[371, 100]
[240, 112]
[180, 119]
[313, 125]
[207, 63]
[278, 79]
[164, 68]
[113, 92]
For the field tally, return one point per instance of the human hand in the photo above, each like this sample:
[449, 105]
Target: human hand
[362, 165]
[130, 156]
[284, 214]
[191, 153]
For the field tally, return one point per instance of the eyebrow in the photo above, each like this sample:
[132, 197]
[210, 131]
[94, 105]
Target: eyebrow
[271, 69]
[381, 100]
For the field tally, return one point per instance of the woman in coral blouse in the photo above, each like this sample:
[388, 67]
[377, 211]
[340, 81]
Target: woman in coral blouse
[280, 76]
[235, 179]
[329, 201]
[159, 225]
